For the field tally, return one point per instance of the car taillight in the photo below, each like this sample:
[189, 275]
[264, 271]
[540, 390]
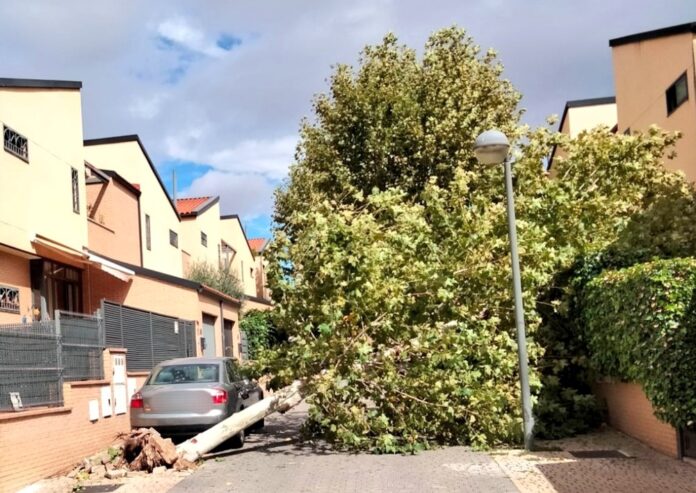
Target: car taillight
[219, 396]
[137, 401]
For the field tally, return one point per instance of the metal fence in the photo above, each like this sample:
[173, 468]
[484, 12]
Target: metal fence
[149, 337]
[82, 338]
[35, 358]
[30, 365]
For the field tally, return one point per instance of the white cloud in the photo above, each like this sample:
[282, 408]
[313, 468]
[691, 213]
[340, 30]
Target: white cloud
[248, 195]
[178, 30]
[269, 158]
[238, 110]
[147, 108]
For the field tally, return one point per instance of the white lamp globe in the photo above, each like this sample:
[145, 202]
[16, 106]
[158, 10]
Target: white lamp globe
[491, 147]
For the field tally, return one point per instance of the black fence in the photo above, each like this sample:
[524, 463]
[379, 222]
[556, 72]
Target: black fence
[36, 358]
[149, 337]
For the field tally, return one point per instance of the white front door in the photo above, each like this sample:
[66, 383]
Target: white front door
[209, 336]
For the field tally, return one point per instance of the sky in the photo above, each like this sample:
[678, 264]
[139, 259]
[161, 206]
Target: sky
[216, 89]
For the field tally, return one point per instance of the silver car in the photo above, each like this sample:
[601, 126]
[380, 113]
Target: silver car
[188, 395]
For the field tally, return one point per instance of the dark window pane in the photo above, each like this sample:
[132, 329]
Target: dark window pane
[677, 93]
[195, 373]
[148, 241]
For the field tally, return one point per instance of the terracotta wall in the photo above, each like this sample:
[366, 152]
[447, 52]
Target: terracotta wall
[630, 411]
[642, 73]
[114, 227]
[39, 443]
[14, 273]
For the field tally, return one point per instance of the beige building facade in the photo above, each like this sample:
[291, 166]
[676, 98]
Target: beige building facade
[43, 225]
[91, 221]
[581, 115]
[237, 253]
[159, 220]
[654, 81]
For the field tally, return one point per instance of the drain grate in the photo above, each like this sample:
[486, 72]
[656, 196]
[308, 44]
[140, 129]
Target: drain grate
[100, 488]
[599, 454]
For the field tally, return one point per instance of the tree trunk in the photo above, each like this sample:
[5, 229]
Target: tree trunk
[204, 442]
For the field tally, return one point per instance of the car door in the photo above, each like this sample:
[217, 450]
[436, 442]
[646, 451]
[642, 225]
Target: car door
[243, 387]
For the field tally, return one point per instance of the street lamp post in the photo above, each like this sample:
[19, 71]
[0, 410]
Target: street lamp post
[491, 147]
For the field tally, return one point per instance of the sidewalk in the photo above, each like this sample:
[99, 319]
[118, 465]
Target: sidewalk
[560, 472]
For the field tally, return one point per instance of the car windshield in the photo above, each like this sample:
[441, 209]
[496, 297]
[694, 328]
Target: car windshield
[191, 373]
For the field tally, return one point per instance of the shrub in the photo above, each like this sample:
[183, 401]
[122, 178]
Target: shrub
[259, 330]
[216, 278]
[640, 326]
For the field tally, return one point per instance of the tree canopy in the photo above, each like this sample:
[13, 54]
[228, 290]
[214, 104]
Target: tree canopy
[390, 263]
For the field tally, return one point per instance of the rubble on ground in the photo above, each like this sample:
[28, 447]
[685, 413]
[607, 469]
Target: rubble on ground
[144, 449]
[140, 452]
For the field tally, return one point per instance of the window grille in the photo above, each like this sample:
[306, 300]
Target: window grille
[75, 191]
[16, 143]
[9, 299]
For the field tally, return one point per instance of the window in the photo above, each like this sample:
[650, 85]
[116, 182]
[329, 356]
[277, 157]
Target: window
[204, 239]
[9, 299]
[677, 94]
[62, 287]
[226, 254]
[173, 239]
[232, 373]
[193, 373]
[16, 143]
[148, 237]
[75, 190]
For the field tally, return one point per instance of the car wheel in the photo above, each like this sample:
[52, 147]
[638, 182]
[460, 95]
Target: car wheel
[237, 441]
[258, 425]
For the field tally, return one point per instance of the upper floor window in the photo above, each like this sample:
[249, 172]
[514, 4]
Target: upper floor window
[16, 143]
[677, 93]
[148, 237]
[173, 239]
[226, 254]
[75, 190]
[204, 239]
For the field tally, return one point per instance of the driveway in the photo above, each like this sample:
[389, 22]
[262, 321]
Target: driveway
[276, 461]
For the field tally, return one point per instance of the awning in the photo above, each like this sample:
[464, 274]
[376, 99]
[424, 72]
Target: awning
[112, 268]
[45, 247]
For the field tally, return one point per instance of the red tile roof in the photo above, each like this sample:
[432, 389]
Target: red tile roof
[189, 205]
[257, 244]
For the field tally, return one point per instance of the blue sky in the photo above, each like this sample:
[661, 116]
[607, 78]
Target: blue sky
[218, 93]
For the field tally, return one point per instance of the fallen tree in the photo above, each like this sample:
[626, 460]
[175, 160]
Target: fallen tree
[144, 449]
[193, 449]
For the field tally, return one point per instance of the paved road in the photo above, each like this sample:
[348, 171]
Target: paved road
[275, 461]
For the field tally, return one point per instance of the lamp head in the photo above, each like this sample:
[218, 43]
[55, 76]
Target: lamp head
[491, 147]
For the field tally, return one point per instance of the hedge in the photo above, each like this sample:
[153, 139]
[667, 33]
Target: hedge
[640, 325]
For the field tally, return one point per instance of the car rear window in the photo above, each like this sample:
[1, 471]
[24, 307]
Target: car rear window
[191, 373]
